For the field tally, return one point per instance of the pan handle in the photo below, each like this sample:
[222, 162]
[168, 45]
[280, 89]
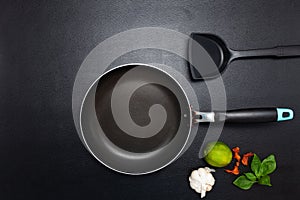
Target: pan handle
[251, 115]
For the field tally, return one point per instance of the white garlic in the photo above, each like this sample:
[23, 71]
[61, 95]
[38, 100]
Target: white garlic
[202, 180]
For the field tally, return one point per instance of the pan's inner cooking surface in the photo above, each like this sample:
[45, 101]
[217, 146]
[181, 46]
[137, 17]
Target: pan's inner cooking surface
[140, 102]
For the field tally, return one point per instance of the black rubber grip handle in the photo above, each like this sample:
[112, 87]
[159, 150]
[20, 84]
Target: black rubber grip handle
[279, 51]
[251, 115]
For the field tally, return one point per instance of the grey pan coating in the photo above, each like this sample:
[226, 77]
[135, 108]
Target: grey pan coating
[129, 162]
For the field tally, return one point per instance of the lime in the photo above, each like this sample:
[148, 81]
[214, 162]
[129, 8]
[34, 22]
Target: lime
[217, 154]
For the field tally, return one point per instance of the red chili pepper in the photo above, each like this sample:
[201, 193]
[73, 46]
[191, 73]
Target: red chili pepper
[236, 156]
[236, 151]
[246, 158]
[235, 170]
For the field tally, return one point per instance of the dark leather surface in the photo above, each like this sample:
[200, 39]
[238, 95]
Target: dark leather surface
[43, 43]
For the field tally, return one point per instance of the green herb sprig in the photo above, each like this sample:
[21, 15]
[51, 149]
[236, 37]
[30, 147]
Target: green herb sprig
[260, 173]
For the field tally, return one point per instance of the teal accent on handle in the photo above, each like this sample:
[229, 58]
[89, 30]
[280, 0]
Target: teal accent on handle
[280, 112]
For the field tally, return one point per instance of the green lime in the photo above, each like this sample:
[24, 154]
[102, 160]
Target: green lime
[217, 154]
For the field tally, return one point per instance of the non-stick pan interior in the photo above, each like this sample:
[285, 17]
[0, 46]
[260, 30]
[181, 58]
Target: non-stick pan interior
[135, 119]
[140, 103]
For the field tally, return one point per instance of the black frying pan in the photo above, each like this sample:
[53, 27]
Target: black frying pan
[138, 118]
[222, 55]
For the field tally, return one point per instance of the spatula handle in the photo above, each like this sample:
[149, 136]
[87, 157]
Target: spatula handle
[279, 51]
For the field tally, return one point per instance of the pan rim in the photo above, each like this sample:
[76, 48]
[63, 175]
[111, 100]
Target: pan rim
[133, 173]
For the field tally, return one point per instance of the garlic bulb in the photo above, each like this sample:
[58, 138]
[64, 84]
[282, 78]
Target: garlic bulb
[202, 180]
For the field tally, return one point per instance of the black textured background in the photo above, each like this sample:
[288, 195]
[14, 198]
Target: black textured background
[42, 44]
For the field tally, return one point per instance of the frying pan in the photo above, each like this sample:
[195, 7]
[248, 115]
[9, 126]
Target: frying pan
[137, 118]
[222, 55]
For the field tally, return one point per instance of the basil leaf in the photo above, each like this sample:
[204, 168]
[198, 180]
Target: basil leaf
[243, 183]
[255, 165]
[250, 176]
[265, 180]
[267, 166]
